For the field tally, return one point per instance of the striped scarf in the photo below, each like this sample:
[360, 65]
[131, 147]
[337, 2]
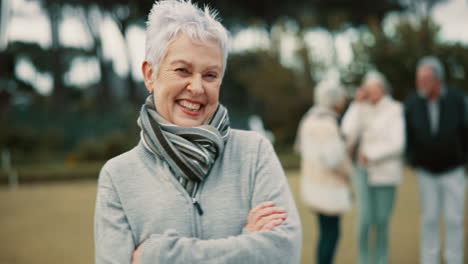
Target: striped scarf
[189, 151]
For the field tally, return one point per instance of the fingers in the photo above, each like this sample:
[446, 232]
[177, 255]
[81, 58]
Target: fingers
[271, 219]
[261, 206]
[270, 225]
[268, 211]
[136, 254]
[360, 94]
[254, 213]
[265, 216]
[264, 210]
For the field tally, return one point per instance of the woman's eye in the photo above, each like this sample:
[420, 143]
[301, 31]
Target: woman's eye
[182, 70]
[211, 75]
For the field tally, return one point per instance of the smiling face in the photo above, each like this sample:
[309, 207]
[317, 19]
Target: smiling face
[186, 85]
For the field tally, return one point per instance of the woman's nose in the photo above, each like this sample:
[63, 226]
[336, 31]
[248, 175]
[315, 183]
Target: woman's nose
[195, 85]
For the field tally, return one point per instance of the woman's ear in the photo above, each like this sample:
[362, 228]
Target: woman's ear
[147, 70]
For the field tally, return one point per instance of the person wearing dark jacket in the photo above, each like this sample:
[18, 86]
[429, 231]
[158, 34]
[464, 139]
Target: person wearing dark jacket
[437, 139]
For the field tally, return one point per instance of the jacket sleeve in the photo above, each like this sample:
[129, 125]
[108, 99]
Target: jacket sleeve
[392, 143]
[280, 245]
[408, 132]
[112, 235]
[465, 129]
[351, 123]
[298, 140]
[322, 143]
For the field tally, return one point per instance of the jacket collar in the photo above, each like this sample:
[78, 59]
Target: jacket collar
[319, 110]
[443, 92]
[383, 101]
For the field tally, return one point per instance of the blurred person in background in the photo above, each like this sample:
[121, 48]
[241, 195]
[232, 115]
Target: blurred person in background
[325, 166]
[193, 190]
[437, 135]
[374, 129]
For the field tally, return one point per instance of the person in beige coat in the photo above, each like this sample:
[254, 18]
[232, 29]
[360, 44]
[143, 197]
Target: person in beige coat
[325, 167]
[374, 129]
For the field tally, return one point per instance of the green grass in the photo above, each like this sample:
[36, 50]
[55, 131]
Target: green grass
[53, 223]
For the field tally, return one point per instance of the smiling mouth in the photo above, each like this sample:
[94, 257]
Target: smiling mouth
[190, 106]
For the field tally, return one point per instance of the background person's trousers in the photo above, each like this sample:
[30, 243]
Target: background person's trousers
[329, 234]
[442, 194]
[375, 206]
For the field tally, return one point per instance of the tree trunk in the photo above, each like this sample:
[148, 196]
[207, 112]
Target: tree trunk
[133, 97]
[104, 96]
[309, 82]
[105, 99]
[5, 99]
[4, 17]
[59, 93]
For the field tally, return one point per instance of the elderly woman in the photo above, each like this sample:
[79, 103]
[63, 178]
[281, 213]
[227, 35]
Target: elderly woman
[325, 165]
[193, 190]
[374, 127]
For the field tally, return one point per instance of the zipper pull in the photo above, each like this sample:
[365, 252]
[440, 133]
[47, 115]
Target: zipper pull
[197, 205]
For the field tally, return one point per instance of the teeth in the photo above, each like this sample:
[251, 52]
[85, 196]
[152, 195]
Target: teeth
[190, 106]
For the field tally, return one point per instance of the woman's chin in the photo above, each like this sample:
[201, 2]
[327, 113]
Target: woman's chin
[188, 122]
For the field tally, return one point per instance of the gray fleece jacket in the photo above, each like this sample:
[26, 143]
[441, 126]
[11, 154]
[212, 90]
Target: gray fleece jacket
[139, 200]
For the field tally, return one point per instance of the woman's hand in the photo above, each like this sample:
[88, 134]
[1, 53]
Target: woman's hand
[136, 254]
[361, 95]
[265, 216]
[363, 160]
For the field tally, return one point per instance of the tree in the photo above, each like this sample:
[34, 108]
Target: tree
[59, 93]
[396, 56]
[125, 14]
[276, 87]
[93, 17]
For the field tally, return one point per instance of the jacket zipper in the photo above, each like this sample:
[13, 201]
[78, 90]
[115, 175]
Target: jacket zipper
[199, 211]
[197, 205]
[195, 202]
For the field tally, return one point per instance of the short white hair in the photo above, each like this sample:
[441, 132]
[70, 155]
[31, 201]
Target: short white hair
[168, 18]
[376, 76]
[435, 64]
[329, 93]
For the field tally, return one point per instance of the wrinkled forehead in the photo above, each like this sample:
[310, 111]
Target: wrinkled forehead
[425, 71]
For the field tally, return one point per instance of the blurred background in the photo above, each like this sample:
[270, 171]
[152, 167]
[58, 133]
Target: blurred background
[71, 89]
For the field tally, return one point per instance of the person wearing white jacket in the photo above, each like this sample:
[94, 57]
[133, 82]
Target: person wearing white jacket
[373, 127]
[325, 166]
